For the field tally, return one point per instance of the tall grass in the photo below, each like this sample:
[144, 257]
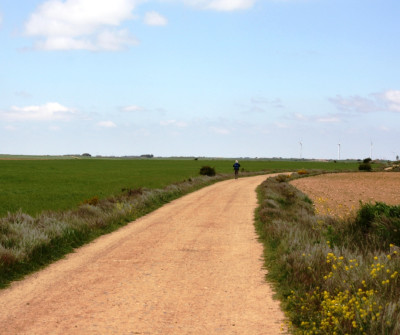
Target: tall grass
[334, 276]
[29, 242]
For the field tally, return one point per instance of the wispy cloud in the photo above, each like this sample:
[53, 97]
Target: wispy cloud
[81, 24]
[155, 19]
[267, 103]
[220, 130]
[332, 119]
[388, 101]
[263, 105]
[48, 112]
[392, 99]
[300, 117]
[221, 5]
[23, 94]
[281, 125]
[142, 110]
[356, 104]
[133, 108]
[10, 128]
[315, 118]
[384, 129]
[106, 124]
[179, 124]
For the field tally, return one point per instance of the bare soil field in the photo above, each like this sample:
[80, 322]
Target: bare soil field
[339, 194]
[192, 267]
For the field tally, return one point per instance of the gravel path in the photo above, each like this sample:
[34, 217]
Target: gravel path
[192, 267]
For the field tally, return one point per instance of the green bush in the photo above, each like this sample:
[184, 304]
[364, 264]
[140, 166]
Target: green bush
[380, 221]
[365, 167]
[282, 178]
[207, 171]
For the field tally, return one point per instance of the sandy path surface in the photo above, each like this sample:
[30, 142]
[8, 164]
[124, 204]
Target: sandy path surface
[192, 267]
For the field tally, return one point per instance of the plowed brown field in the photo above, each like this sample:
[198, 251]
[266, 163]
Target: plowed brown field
[339, 194]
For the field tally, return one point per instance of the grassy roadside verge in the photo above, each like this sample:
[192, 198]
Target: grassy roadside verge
[332, 276]
[29, 243]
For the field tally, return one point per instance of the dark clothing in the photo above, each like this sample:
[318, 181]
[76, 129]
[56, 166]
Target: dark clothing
[236, 167]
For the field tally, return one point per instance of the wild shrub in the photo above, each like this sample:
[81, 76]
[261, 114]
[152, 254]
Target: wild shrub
[302, 172]
[207, 171]
[282, 178]
[380, 221]
[333, 276]
[365, 167]
[92, 201]
[132, 192]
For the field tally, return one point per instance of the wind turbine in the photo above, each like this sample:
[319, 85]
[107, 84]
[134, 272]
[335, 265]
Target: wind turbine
[370, 151]
[338, 151]
[301, 149]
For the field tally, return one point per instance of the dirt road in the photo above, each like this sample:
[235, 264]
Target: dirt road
[192, 267]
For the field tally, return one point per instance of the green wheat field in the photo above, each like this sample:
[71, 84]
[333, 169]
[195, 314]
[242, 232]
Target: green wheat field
[35, 185]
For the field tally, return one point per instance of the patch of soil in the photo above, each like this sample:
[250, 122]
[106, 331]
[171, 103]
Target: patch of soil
[339, 194]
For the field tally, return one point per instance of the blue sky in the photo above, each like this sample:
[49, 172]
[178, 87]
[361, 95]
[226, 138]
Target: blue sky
[220, 78]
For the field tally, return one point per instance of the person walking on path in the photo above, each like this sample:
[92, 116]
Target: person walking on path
[236, 167]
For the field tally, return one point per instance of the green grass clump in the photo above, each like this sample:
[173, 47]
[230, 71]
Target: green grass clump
[333, 276]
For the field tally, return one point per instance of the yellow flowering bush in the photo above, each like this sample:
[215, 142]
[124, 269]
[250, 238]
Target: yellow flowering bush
[348, 305]
[334, 274]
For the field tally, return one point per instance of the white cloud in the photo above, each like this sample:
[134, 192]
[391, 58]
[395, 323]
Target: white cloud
[47, 112]
[179, 124]
[106, 124]
[384, 128]
[276, 103]
[81, 24]
[23, 94]
[299, 116]
[376, 102]
[222, 5]
[155, 19]
[392, 98]
[96, 25]
[260, 105]
[133, 108]
[328, 119]
[281, 125]
[220, 130]
[356, 104]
